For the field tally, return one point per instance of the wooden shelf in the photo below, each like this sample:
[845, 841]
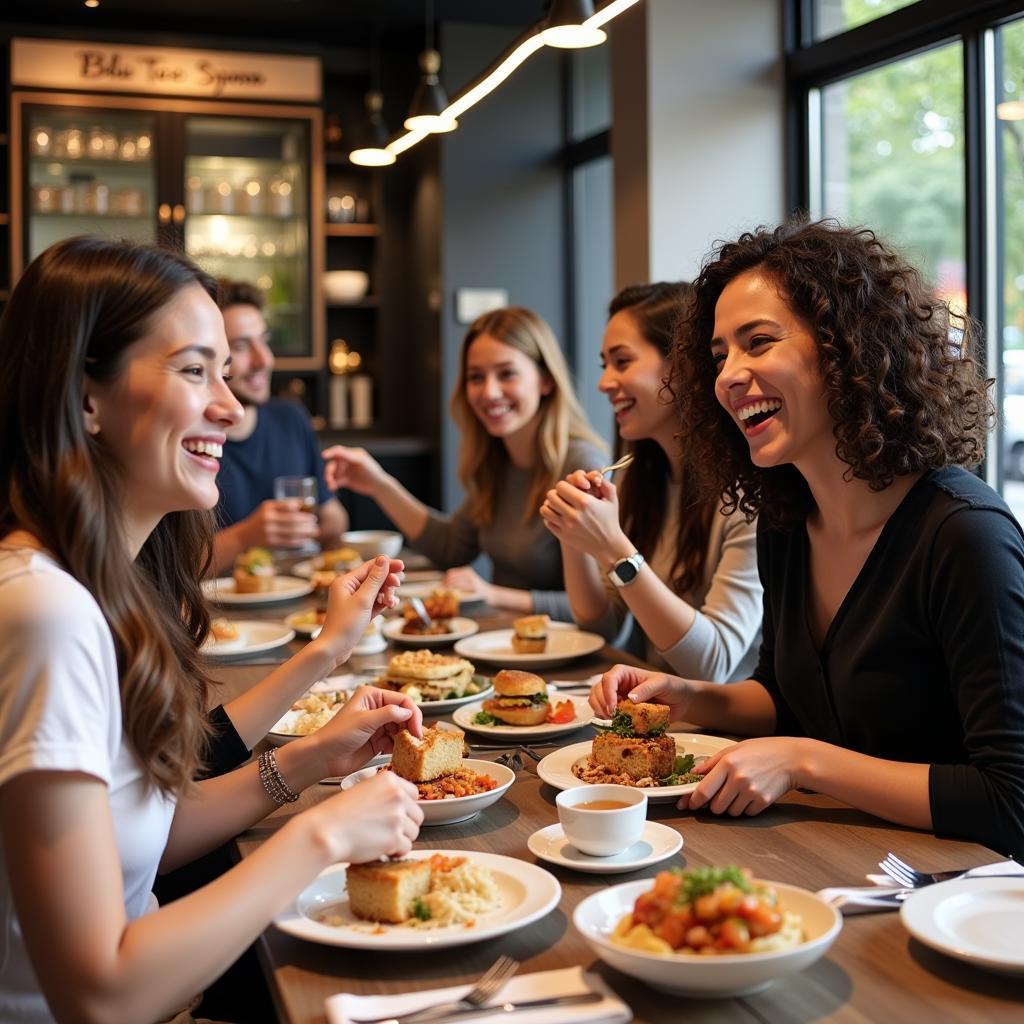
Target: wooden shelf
[368, 303]
[351, 230]
[4, 218]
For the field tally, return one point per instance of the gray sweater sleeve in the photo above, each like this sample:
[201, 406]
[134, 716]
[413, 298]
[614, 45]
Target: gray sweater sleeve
[448, 540]
[728, 622]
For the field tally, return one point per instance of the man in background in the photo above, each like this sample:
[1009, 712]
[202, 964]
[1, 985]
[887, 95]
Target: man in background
[273, 438]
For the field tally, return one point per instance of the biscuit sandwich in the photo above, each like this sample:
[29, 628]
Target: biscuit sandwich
[520, 698]
[531, 634]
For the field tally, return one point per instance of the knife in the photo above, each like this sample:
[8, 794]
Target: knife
[496, 1009]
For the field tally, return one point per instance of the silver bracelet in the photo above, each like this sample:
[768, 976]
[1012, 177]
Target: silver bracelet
[273, 781]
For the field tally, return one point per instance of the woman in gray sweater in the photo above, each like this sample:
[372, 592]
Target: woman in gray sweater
[654, 553]
[522, 431]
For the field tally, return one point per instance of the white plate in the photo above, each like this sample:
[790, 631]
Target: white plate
[425, 589]
[457, 808]
[556, 768]
[977, 920]
[528, 893]
[298, 622]
[441, 707]
[656, 843]
[463, 718]
[729, 974]
[253, 637]
[565, 643]
[461, 628]
[286, 588]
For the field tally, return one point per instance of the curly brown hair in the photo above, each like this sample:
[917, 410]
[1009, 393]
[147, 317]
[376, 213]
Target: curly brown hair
[902, 386]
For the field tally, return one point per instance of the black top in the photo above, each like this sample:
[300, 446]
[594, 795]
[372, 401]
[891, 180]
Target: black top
[225, 750]
[924, 661]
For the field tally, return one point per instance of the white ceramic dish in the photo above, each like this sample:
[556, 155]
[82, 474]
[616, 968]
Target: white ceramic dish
[286, 588]
[977, 920]
[442, 707]
[254, 637]
[730, 974]
[461, 628]
[370, 543]
[425, 588]
[345, 285]
[657, 842]
[527, 891]
[565, 643]
[556, 768]
[459, 808]
[464, 716]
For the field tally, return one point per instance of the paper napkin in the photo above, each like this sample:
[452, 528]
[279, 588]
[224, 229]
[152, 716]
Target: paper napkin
[565, 982]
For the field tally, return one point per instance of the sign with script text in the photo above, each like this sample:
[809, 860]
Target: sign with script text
[163, 71]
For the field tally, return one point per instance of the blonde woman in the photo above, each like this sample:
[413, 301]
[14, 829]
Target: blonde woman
[522, 431]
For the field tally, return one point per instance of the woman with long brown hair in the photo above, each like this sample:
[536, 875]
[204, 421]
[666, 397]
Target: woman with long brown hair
[522, 429]
[113, 406]
[832, 393]
[652, 549]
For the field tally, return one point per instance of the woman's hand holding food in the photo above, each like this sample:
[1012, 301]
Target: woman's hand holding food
[640, 685]
[353, 599]
[470, 582]
[747, 778]
[365, 726]
[354, 468]
[582, 511]
[377, 818]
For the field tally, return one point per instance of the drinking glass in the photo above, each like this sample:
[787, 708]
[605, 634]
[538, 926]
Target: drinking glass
[302, 487]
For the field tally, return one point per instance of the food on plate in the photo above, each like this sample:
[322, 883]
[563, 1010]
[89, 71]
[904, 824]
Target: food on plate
[425, 676]
[428, 893]
[635, 751]
[254, 571]
[708, 911]
[417, 627]
[434, 764]
[337, 560]
[521, 698]
[309, 619]
[441, 606]
[322, 580]
[531, 634]
[315, 711]
[224, 629]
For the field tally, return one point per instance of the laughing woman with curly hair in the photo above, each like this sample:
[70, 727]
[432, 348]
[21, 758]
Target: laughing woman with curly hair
[833, 395]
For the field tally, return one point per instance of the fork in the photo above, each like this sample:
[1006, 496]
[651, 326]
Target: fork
[900, 871]
[491, 982]
[621, 464]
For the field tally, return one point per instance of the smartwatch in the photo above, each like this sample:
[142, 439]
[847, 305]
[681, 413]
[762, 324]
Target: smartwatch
[624, 571]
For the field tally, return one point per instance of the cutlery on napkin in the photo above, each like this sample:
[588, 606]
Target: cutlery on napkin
[569, 981]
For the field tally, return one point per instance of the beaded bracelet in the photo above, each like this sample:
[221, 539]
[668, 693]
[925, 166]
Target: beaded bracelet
[273, 781]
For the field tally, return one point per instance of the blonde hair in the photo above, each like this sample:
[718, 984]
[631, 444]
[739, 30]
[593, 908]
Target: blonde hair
[562, 419]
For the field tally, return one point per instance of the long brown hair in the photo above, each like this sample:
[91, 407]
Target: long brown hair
[901, 383]
[643, 497]
[482, 458]
[74, 313]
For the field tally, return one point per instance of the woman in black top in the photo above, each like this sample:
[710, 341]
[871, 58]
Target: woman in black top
[829, 391]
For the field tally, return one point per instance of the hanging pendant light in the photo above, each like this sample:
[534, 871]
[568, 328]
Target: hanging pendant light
[565, 27]
[375, 152]
[429, 102]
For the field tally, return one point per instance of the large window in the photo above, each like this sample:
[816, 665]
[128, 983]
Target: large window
[909, 118]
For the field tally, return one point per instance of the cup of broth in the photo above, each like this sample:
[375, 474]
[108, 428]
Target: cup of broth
[602, 821]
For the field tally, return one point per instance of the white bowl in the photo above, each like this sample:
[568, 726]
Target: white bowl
[346, 285]
[730, 974]
[370, 543]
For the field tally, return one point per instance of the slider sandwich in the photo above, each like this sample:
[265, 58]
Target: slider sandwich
[520, 698]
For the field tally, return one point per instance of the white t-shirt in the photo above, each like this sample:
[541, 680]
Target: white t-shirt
[60, 709]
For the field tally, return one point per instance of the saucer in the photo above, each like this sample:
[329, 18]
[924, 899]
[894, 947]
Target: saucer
[656, 843]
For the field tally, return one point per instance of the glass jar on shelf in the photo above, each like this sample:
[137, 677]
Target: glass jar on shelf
[129, 147]
[251, 197]
[143, 146]
[195, 195]
[281, 197]
[95, 199]
[40, 140]
[44, 199]
[96, 143]
[129, 202]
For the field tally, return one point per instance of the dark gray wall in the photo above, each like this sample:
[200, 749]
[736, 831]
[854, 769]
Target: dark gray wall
[503, 205]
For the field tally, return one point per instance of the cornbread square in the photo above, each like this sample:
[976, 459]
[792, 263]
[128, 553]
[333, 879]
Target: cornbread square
[644, 717]
[438, 753]
[247, 583]
[636, 757]
[385, 892]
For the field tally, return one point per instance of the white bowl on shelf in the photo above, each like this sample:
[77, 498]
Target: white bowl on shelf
[370, 543]
[346, 285]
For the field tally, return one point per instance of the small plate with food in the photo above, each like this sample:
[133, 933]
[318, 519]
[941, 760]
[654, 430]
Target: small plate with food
[536, 642]
[431, 899]
[230, 638]
[334, 560]
[637, 750]
[429, 590]
[710, 932]
[521, 709]
[224, 590]
[451, 787]
[411, 632]
[310, 712]
[437, 682]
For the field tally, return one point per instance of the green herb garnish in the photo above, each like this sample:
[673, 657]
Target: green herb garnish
[699, 882]
[452, 694]
[483, 718]
[682, 771]
[539, 698]
[420, 909]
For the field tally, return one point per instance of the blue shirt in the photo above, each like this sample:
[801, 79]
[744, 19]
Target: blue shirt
[283, 444]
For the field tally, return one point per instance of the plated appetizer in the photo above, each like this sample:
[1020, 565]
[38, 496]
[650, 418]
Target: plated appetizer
[311, 712]
[337, 560]
[425, 676]
[708, 911]
[224, 629]
[442, 606]
[254, 572]
[521, 698]
[434, 763]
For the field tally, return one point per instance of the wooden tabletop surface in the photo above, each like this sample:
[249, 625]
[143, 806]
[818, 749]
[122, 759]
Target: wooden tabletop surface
[874, 971]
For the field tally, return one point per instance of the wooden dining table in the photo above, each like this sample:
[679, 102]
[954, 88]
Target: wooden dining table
[874, 971]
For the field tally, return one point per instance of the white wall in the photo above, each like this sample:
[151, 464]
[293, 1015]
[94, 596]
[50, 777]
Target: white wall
[714, 126]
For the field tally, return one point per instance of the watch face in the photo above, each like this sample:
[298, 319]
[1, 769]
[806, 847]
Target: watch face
[626, 571]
